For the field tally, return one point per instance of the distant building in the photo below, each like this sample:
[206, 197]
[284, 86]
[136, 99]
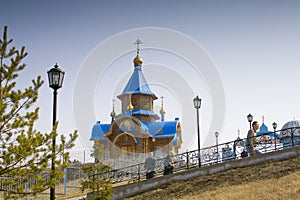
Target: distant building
[137, 130]
[266, 135]
[290, 133]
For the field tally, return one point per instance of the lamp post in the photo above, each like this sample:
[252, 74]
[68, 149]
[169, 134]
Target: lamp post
[250, 119]
[55, 77]
[274, 127]
[197, 105]
[217, 145]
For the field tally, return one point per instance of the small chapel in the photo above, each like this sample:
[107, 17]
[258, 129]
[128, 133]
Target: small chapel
[137, 131]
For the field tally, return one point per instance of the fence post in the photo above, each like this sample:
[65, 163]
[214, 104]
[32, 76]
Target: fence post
[234, 150]
[187, 159]
[139, 172]
[293, 137]
[65, 181]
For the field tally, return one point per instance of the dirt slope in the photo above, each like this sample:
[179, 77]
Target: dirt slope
[271, 180]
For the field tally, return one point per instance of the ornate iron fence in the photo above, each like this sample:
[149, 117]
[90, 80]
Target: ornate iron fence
[268, 142]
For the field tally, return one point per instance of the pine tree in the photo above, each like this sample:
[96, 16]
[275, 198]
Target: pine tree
[25, 153]
[98, 181]
[98, 151]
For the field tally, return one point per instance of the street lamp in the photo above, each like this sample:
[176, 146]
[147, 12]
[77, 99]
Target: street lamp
[55, 77]
[197, 105]
[250, 119]
[274, 127]
[217, 145]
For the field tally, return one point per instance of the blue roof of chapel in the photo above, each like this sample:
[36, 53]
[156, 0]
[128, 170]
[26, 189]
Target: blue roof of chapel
[137, 83]
[263, 130]
[99, 130]
[161, 129]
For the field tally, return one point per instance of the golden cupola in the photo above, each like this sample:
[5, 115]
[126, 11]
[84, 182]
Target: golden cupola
[138, 60]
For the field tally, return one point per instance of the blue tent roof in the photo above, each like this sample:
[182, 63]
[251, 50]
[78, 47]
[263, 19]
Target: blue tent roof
[99, 130]
[137, 83]
[263, 130]
[238, 139]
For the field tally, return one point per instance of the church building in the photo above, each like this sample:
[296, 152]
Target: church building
[137, 130]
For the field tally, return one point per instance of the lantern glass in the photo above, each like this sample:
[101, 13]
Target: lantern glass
[197, 102]
[217, 134]
[274, 125]
[250, 118]
[55, 77]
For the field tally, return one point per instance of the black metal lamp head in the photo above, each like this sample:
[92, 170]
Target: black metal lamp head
[217, 134]
[55, 77]
[197, 102]
[274, 125]
[250, 118]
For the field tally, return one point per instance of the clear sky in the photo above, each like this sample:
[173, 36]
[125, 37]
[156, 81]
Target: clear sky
[254, 47]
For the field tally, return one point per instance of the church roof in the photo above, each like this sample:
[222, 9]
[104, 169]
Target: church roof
[238, 139]
[99, 130]
[160, 129]
[137, 83]
[263, 130]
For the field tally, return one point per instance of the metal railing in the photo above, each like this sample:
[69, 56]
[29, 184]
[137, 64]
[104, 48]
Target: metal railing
[268, 142]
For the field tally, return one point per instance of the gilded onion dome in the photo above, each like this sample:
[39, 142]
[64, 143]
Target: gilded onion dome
[130, 107]
[113, 114]
[138, 60]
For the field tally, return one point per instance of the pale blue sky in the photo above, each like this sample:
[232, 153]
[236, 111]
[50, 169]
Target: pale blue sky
[255, 46]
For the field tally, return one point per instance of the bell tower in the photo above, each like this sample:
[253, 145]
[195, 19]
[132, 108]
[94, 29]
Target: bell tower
[137, 98]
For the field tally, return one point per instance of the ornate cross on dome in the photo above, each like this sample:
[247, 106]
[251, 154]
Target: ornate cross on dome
[113, 114]
[113, 104]
[162, 111]
[138, 42]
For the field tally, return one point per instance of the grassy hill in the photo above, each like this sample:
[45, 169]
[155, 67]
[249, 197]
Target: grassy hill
[269, 180]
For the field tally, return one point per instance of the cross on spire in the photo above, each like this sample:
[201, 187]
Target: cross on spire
[138, 42]
[113, 103]
[162, 111]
